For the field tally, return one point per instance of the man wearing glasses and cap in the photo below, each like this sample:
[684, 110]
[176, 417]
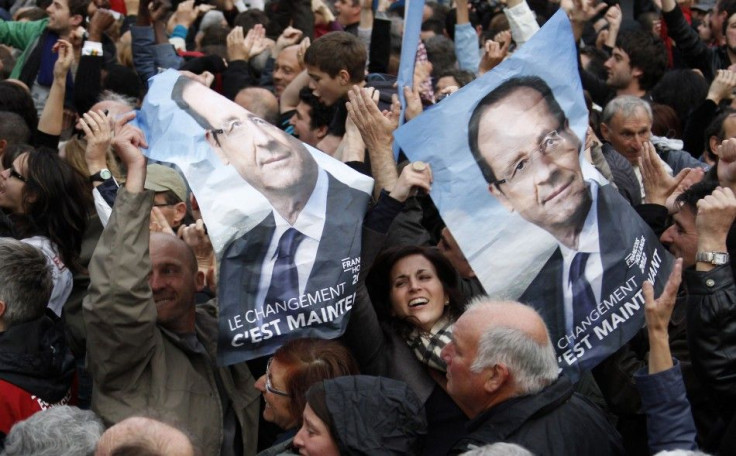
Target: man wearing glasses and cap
[522, 142]
[283, 257]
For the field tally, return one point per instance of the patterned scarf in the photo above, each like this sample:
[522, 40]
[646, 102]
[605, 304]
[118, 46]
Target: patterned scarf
[428, 345]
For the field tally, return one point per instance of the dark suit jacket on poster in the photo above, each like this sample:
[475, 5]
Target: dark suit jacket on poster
[618, 229]
[240, 273]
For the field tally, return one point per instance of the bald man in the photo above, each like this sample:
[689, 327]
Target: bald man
[260, 102]
[149, 347]
[140, 435]
[502, 371]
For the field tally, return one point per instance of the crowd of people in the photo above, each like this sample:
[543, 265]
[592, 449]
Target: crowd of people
[109, 281]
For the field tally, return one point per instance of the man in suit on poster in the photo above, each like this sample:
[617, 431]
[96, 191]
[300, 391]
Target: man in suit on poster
[521, 139]
[283, 257]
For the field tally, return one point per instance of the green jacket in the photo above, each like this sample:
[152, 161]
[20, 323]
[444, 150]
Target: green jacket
[138, 366]
[21, 35]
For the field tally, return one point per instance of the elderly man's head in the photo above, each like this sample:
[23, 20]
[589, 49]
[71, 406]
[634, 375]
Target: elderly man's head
[60, 430]
[626, 123]
[499, 350]
[139, 435]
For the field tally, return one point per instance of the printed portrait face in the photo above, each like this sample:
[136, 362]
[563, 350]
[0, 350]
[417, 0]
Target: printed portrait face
[532, 156]
[267, 158]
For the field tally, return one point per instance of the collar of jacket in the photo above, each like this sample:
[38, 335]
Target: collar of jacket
[508, 416]
[34, 356]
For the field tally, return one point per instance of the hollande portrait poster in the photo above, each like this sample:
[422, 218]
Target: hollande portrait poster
[284, 218]
[506, 155]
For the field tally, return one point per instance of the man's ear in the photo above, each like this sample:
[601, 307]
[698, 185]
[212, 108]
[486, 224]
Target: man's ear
[215, 145]
[199, 280]
[496, 377]
[180, 211]
[321, 132]
[605, 131]
[343, 77]
[76, 20]
[636, 72]
[713, 145]
[2, 309]
[498, 194]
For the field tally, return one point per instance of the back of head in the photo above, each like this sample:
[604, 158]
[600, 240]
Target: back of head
[78, 7]
[13, 129]
[370, 415]
[499, 449]
[338, 51]
[248, 19]
[517, 337]
[260, 102]
[15, 98]
[729, 6]
[26, 282]
[441, 53]
[683, 90]
[144, 436]
[123, 81]
[309, 361]
[320, 115]
[57, 431]
[646, 52]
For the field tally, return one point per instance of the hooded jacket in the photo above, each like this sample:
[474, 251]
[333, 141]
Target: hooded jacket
[36, 370]
[375, 416]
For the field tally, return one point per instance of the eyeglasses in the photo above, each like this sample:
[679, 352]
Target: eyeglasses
[235, 127]
[17, 175]
[520, 170]
[270, 387]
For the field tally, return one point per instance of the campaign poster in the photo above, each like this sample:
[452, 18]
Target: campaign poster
[284, 219]
[536, 221]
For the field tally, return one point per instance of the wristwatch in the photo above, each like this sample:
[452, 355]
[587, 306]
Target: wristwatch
[101, 175]
[714, 258]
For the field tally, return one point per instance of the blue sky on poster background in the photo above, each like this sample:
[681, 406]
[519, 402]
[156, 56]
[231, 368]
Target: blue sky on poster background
[490, 236]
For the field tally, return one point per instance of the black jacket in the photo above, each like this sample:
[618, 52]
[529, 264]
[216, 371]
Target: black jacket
[696, 53]
[711, 326]
[34, 356]
[555, 421]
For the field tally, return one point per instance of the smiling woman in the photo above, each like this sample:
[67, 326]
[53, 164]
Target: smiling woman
[413, 288]
[47, 201]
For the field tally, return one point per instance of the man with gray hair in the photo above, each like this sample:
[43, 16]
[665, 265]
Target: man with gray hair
[36, 366]
[626, 123]
[502, 371]
[58, 431]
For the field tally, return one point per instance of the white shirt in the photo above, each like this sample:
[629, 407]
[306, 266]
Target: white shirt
[587, 242]
[60, 274]
[311, 223]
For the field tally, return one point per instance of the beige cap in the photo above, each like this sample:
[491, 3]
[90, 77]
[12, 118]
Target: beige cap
[160, 178]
